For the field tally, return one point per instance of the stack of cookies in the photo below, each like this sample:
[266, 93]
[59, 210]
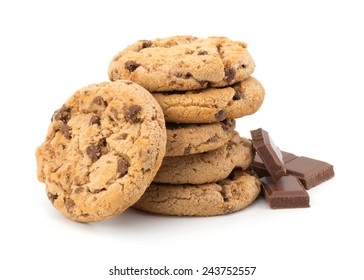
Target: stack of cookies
[202, 86]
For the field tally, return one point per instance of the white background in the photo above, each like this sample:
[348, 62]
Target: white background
[309, 58]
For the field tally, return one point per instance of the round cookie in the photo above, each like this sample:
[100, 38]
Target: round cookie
[185, 139]
[212, 104]
[183, 63]
[223, 197]
[102, 150]
[207, 167]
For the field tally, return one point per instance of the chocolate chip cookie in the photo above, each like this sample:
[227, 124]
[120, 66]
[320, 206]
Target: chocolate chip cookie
[183, 63]
[234, 193]
[102, 150]
[207, 167]
[185, 139]
[212, 104]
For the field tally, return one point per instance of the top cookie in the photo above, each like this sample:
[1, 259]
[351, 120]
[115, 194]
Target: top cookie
[183, 63]
[102, 150]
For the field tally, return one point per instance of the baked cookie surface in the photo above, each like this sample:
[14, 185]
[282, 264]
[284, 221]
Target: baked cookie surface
[185, 139]
[234, 193]
[102, 150]
[183, 63]
[212, 104]
[207, 167]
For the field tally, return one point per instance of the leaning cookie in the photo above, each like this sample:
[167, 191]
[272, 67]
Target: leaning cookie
[236, 192]
[183, 63]
[212, 104]
[185, 139]
[102, 150]
[207, 167]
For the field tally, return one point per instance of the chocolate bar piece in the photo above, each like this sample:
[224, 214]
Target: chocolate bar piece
[288, 192]
[259, 166]
[269, 153]
[310, 172]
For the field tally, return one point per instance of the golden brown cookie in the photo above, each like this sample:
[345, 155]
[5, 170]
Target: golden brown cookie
[212, 104]
[207, 167]
[234, 193]
[183, 63]
[185, 139]
[102, 150]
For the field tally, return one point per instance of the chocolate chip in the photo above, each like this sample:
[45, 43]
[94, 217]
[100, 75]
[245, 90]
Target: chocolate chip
[62, 114]
[99, 101]
[98, 190]
[178, 75]
[213, 139]
[69, 203]
[115, 75]
[146, 44]
[128, 82]
[131, 65]
[203, 83]
[229, 75]
[244, 66]
[188, 75]
[95, 120]
[123, 166]
[115, 113]
[227, 124]
[79, 190]
[93, 151]
[123, 136]
[236, 174]
[103, 142]
[202, 52]
[239, 94]
[221, 115]
[189, 52]
[224, 195]
[187, 151]
[66, 131]
[229, 145]
[131, 113]
[52, 197]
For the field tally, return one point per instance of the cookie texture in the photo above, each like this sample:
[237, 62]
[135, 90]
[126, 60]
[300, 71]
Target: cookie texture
[102, 150]
[183, 63]
[212, 104]
[207, 167]
[185, 139]
[234, 193]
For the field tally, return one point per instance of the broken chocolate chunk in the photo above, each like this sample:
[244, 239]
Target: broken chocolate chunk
[123, 166]
[310, 172]
[269, 153]
[131, 113]
[131, 65]
[95, 120]
[62, 114]
[221, 115]
[93, 151]
[288, 192]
